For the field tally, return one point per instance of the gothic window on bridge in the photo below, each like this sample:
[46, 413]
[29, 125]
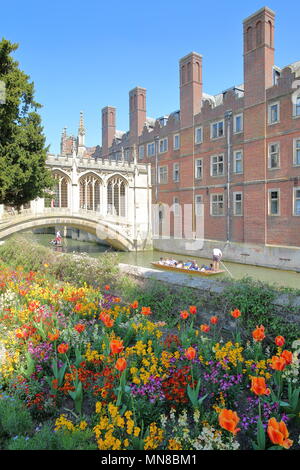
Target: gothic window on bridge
[59, 195]
[116, 197]
[90, 186]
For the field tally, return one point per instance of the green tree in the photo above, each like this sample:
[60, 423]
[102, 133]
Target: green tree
[23, 174]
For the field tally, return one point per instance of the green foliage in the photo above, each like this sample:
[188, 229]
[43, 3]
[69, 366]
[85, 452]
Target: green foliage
[255, 299]
[165, 302]
[80, 268]
[15, 419]
[76, 269]
[23, 175]
[47, 439]
[17, 251]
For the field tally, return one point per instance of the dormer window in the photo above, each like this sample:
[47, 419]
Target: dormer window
[276, 76]
[163, 121]
[297, 107]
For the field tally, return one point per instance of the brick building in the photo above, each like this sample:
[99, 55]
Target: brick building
[235, 155]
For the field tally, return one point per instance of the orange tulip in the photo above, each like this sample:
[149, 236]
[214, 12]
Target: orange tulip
[33, 305]
[63, 348]
[78, 307]
[190, 353]
[235, 313]
[23, 292]
[121, 364]
[134, 304]
[108, 321]
[259, 387]
[278, 363]
[205, 328]
[228, 420]
[79, 327]
[102, 316]
[184, 314]
[259, 333]
[54, 336]
[279, 341]
[278, 433]
[287, 356]
[107, 287]
[116, 346]
[214, 320]
[193, 309]
[146, 311]
[20, 333]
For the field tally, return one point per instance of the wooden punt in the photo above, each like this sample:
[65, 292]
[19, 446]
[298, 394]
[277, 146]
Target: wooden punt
[187, 271]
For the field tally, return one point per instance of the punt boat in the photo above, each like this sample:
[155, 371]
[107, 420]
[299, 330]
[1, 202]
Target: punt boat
[187, 271]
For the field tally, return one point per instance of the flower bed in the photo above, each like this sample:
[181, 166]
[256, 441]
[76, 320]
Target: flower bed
[81, 370]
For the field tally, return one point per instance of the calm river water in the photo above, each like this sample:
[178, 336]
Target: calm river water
[273, 276]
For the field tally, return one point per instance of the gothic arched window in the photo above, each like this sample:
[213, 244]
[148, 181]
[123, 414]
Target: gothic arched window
[189, 71]
[182, 75]
[258, 33]
[198, 72]
[89, 192]
[116, 196]
[249, 39]
[60, 195]
[270, 33]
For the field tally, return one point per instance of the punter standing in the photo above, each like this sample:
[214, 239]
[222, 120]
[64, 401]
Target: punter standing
[217, 256]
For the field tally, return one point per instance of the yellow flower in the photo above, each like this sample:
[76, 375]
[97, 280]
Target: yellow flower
[174, 445]
[83, 425]
[62, 422]
[98, 407]
[155, 437]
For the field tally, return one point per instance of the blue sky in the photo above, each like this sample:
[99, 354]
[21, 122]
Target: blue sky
[84, 55]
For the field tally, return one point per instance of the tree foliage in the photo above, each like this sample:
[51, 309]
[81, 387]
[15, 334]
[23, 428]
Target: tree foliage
[23, 174]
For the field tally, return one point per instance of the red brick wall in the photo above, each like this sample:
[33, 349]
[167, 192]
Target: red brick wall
[255, 225]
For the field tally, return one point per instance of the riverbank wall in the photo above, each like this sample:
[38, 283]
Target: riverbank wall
[270, 256]
[212, 286]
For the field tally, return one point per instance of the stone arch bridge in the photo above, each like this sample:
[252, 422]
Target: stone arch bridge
[111, 200]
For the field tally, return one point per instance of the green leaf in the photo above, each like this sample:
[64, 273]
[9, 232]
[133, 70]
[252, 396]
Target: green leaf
[79, 357]
[295, 399]
[123, 409]
[284, 404]
[192, 395]
[255, 446]
[201, 400]
[61, 374]
[77, 394]
[55, 368]
[261, 437]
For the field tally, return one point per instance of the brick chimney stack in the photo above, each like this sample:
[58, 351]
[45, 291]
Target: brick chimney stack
[258, 55]
[108, 128]
[190, 87]
[137, 112]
